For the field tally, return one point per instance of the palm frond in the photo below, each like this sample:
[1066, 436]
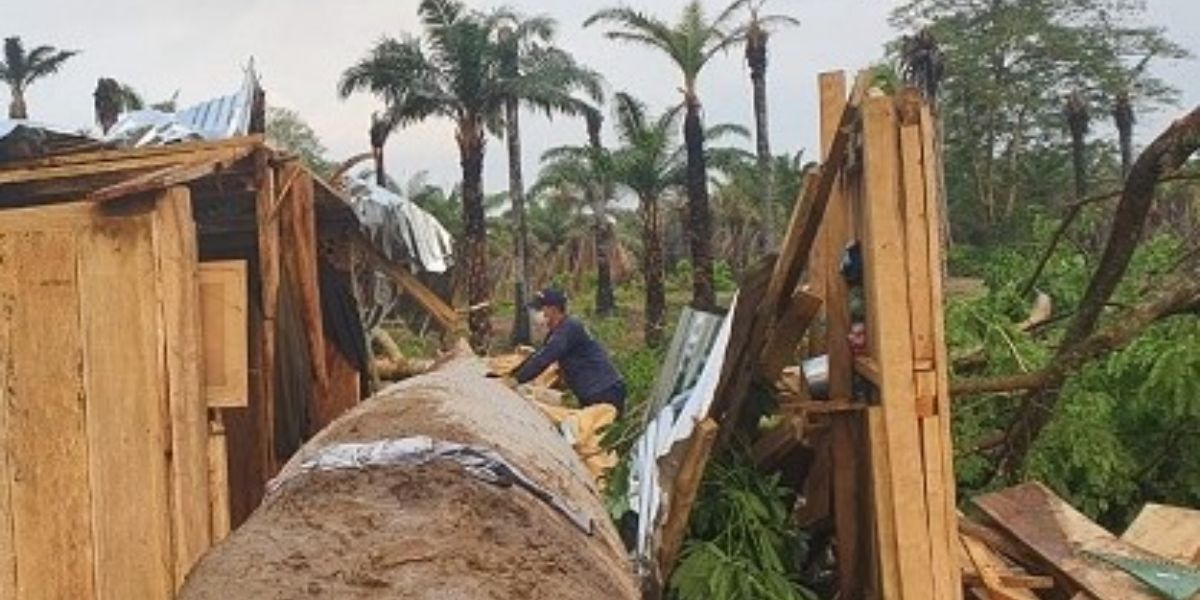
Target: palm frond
[724, 130]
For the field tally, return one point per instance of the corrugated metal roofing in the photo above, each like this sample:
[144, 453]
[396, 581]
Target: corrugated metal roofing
[219, 118]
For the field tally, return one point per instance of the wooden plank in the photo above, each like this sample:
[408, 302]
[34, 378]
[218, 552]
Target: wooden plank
[299, 237]
[269, 276]
[784, 334]
[1171, 532]
[869, 369]
[218, 478]
[941, 367]
[129, 420]
[225, 333]
[181, 309]
[990, 569]
[889, 337]
[127, 154]
[434, 306]
[79, 169]
[175, 174]
[916, 231]
[1059, 535]
[818, 486]
[8, 291]
[886, 569]
[54, 548]
[684, 492]
[818, 407]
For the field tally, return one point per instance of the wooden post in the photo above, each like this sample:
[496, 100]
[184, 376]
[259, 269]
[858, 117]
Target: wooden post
[269, 274]
[847, 439]
[218, 477]
[889, 333]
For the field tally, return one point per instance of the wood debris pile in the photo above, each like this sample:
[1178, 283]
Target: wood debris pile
[1028, 544]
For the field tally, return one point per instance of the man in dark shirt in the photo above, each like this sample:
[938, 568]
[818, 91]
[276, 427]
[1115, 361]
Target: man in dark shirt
[583, 362]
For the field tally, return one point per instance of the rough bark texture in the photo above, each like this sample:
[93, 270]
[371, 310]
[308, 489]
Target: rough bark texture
[600, 193]
[516, 193]
[470, 144]
[1165, 154]
[704, 295]
[652, 271]
[756, 58]
[1077, 123]
[430, 532]
[1123, 116]
[17, 108]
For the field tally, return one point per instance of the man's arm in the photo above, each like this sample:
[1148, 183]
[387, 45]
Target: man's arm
[555, 348]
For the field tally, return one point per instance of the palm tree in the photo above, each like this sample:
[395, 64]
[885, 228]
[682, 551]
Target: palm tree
[378, 134]
[757, 32]
[19, 69]
[648, 163]
[585, 172]
[690, 43]
[1124, 119]
[453, 71]
[526, 50]
[1078, 120]
[112, 98]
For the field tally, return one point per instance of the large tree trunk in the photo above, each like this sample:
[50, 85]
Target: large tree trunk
[1077, 123]
[601, 191]
[516, 193]
[1170, 151]
[704, 295]
[756, 58]
[652, 271]
[436, 529]
[17, 108]
[470, 146]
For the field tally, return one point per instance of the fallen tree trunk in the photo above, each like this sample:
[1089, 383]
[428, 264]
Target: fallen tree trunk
[498, 510]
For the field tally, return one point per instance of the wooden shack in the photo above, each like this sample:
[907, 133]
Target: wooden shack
[175, 321]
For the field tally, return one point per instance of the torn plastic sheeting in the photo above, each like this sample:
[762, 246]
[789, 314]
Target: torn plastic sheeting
[481, 463]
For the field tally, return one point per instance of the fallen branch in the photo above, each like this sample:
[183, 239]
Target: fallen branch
[1178, 293]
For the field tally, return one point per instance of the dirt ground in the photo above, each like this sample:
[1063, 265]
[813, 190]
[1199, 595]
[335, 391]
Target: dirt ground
[429, 531]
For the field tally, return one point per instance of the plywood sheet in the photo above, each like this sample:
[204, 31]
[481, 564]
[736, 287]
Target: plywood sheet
[128, 420]
[1059, 534]
[1171, 532]
[54, 546]
[176, 255]
[223, 298]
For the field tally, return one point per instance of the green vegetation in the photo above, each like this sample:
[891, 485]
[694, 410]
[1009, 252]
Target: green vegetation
[21, 68]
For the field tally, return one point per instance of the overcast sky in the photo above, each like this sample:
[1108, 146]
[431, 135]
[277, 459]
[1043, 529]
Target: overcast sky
[301, 46]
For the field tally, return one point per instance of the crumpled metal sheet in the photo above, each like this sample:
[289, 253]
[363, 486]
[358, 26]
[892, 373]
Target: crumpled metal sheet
[482, 463]
[216, 119]
[676, 420]
[403, 230]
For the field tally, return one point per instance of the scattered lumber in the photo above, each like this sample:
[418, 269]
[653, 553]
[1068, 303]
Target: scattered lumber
[1061, 536]
[1167, 531]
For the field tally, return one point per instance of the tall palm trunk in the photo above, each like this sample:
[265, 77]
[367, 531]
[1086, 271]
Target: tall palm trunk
[378, 134]
[17, 108]
[1123, 115]
[600, 193]
[756, 57]
[470, 148]
[699, 213]
[1077, 122]
[516, 192]
[652, 271]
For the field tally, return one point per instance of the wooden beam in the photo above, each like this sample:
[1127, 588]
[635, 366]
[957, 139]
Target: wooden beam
[269, 273]
[8, 171]
[990, 569]
[684, 493]
[433, 304]
[785, 334]
[174, 174]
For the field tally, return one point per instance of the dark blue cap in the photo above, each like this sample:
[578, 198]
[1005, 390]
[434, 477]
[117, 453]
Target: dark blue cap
[549, 297]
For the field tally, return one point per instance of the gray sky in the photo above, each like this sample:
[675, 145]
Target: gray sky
[301, 46]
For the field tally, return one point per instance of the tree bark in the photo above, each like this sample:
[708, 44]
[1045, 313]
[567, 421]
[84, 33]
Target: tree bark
[17, 108]
[652, 271]
[601, 192]
[471, 152]
[1123, 116]
[700, 213]
[1165, 154]
[756, 58]
[516, 193]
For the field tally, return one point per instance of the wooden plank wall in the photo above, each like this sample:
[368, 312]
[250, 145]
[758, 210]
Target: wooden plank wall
[103, 434]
